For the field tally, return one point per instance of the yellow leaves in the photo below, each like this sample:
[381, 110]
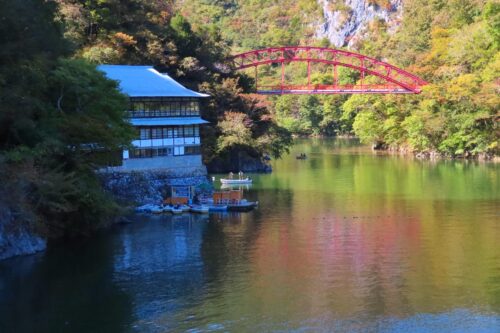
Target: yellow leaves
[234, 131]
[462, 87]
[124, 39]
[472, 46]
[439, 48]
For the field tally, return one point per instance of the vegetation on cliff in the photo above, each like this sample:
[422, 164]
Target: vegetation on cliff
[453, 44]
[54, 112]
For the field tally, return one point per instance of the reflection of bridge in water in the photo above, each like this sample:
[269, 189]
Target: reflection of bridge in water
[389, 79]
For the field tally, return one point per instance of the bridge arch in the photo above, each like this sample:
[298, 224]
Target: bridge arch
[397, 80]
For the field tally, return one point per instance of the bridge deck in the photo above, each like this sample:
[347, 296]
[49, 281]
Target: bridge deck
[333, 89]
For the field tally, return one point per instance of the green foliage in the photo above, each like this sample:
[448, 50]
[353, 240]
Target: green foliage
[457, 50]
[255, 24]
[90, 109]
[54, 113]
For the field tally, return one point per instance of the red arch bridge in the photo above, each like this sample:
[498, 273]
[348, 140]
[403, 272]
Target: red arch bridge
[394, 80]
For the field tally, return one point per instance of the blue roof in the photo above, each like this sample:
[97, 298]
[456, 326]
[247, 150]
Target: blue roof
[145, 81]
[167, 121]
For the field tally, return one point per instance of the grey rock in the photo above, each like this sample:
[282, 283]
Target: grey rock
[343, 28]
[17, 238]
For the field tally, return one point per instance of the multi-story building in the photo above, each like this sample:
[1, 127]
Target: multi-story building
[166, 116]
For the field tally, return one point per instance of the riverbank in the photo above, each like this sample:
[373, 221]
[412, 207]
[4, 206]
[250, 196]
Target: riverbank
[435, 155]
[409, 152]
[18, 232]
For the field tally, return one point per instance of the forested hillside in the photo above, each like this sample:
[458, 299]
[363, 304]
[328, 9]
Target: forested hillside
[54, 101]
[453, 44]
[58, 112]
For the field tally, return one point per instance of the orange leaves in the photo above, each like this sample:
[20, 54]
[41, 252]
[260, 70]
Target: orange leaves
[123, 39]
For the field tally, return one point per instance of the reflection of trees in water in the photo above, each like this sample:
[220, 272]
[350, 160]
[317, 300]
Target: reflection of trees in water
[159, 266]
[324, 145]
[230, 237]
[68, 289]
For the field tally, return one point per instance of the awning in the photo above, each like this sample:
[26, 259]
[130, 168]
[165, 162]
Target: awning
[170, 121]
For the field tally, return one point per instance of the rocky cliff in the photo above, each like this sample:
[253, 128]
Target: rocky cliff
[346, 21]
[16, 235]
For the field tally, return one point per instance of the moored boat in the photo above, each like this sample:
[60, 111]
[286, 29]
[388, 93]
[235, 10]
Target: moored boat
[200, 209]
[157, 209]
[217, 208]
[176, 210]
[242, 206]
[243, 181]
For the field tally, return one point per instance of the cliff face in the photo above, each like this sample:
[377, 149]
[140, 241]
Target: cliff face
[345, 21]
[16, 238]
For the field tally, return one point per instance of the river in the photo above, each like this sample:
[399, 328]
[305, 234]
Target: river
[345, 241]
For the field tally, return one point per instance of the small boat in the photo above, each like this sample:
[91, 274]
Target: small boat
[301, 156]
[227, 181]
[167, 208]
[185, 208]
[176, 210]
[200, 209]
[233, 186]
[242, 206]
[145, 208]
[217, 208]
[157, 209]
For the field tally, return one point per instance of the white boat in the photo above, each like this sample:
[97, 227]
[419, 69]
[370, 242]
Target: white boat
[227, 181]
[145, 208]
[167, 209]
[201, 209]
[157, 210]
[176, 210]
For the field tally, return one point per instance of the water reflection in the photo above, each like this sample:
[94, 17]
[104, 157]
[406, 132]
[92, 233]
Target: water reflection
[346, 240]
[70, 289]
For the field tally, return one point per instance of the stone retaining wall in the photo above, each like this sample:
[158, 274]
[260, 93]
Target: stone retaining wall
[150, 186]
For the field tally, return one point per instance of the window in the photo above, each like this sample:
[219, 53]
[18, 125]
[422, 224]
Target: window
[167, 132]
[163, 107]
[188, 131]
[192, 150]
[151, 152]
[156, 132]
[145, 134]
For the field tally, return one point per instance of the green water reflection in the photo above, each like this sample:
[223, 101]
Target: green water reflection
[346, 240]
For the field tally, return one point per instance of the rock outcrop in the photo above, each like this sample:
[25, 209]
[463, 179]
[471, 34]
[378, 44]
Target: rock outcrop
[345, 21]
[17, 237]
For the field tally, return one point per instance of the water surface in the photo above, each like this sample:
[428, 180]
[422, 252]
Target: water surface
[345, 241]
